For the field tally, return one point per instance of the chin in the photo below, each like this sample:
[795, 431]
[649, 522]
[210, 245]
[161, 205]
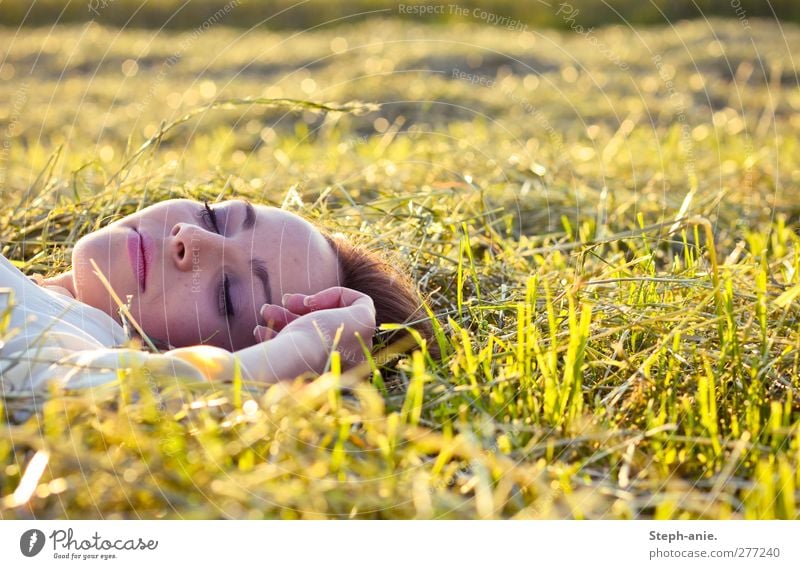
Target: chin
[88, 288]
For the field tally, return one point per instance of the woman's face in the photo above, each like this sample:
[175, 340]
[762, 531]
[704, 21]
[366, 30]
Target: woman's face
[200, 283]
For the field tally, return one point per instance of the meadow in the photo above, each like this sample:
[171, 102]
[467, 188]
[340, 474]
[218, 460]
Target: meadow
[604, 223]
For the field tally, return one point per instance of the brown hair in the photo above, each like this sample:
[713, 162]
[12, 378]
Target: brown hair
[393, 293]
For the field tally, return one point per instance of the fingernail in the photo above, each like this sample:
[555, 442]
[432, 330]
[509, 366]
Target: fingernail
[284, 298]
[307, 301]
[255, 330]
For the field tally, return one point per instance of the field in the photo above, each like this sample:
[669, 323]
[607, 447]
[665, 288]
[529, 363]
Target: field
[604, 221]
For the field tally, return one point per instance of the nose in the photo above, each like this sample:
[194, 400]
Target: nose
[190, 245]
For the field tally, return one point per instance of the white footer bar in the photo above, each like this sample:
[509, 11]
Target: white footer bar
[399, 544]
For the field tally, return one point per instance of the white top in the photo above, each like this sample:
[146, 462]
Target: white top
[46, 337]
[38, 307]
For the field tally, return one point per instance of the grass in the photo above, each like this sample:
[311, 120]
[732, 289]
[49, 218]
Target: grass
[611, 251]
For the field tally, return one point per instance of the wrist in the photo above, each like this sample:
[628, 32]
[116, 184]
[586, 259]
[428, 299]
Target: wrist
[290, 354]
[307, 342]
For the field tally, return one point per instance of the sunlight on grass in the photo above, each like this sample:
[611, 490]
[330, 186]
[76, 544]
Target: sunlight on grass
[618, 320]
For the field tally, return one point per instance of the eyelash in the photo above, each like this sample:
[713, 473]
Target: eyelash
[208, 213]
[224, 295]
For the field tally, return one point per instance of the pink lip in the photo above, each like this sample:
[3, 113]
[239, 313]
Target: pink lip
[139, 251]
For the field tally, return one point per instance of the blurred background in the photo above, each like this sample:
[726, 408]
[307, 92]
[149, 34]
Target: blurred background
[282, 14]
[520, 97]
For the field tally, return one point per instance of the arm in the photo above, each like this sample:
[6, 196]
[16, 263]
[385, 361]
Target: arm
[302, 333]
[284, 357]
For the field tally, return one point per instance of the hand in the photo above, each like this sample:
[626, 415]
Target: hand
[321, 315]
[59, 290]
[276, 318]
[51, 284]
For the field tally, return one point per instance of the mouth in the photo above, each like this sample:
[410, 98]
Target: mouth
[139, 250]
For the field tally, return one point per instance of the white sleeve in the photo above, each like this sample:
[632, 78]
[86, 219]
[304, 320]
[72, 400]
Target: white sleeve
[74, 363]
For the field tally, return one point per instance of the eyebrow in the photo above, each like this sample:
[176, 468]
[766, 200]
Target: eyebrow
[249, 216]
[258, 267]
[260, 272]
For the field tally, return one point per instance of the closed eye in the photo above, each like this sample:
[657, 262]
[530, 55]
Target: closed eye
[210, 217]
[225, 304]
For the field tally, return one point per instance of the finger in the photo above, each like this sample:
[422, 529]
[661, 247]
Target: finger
[263, 333]
[277, 316]
[294, 302]
[337, 297]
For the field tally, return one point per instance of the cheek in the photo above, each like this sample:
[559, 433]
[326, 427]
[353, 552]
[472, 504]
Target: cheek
[295, 274]
[183, 317]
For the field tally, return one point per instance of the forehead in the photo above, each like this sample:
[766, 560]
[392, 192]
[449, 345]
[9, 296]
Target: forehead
[289, 228]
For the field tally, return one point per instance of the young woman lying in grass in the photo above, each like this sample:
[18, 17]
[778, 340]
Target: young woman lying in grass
[212, 284]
